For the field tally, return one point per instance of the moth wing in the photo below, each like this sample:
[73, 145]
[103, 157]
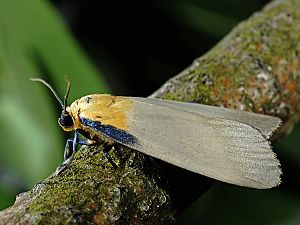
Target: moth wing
[264, 123]
[224, 149]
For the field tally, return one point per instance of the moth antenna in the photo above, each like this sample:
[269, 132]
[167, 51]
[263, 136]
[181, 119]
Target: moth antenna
[53, 91]
[67, 94]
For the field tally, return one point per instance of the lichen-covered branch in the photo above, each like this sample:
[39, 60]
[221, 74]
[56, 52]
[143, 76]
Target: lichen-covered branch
[92, 191]
[255, 68]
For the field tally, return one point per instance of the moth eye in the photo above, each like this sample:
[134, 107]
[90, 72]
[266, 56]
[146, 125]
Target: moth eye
[65, 120]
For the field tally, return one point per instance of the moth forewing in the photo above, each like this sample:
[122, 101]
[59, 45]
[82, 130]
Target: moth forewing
[222, 148]
[264, 123]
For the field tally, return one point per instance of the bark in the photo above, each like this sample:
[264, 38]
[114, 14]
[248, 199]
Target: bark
[255, 68]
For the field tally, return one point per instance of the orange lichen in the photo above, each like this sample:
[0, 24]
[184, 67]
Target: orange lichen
[292, 67]
[291, 86]
[99, 219]
[283, 78]
[92, 205]
[259, 46]
[264, 99]
[276, 60]
[225, 82]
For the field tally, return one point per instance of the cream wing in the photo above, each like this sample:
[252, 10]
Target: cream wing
[227, 145]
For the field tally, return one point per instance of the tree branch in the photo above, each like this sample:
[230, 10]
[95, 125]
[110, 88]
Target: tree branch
[254, 68]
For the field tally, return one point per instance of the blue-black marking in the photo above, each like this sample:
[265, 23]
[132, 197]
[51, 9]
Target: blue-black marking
[110, 131]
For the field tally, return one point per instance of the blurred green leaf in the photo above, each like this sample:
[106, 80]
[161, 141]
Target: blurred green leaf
[7, 196]
[203, 19]
[35, 43]
[216, 18]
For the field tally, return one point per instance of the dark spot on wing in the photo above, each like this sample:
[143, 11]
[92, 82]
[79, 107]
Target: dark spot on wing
[88, 99]
[110, 132]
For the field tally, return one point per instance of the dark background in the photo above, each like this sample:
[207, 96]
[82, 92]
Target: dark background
[140, 44]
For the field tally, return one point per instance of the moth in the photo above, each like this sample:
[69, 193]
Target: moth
[225, 144]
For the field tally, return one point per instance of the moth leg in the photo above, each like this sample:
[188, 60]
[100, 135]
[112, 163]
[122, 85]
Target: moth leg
[68, 154]
[70, 150]
[106, 151]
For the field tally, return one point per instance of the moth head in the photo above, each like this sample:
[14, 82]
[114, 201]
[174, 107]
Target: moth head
[65, 120]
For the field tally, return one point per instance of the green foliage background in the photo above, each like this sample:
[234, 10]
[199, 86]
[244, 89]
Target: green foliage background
[35, 42]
